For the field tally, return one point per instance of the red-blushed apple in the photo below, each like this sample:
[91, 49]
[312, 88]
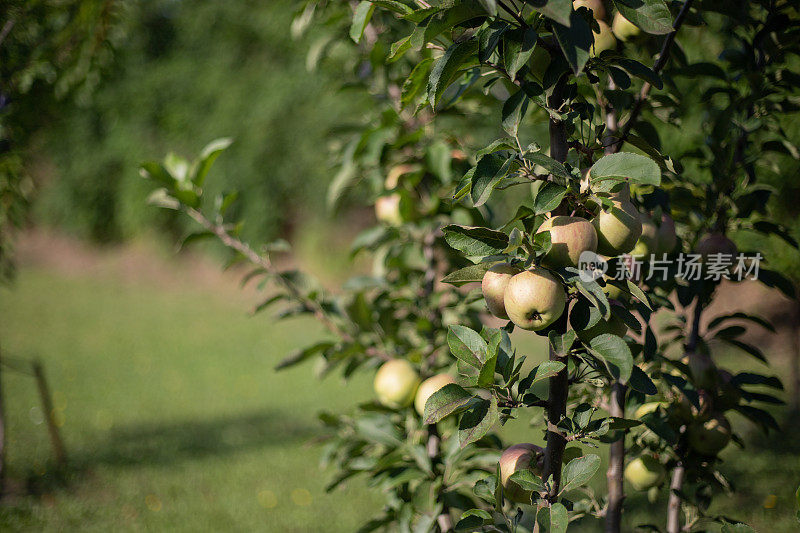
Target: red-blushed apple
[716, 243]
[396, 383]
[387, 209]
[518, 457]
[534, 299]
[569, 238]
[494, 286]
[644, 472]
[428, 387]
[618, 228]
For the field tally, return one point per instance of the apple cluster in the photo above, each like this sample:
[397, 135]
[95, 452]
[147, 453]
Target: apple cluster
[397, 384]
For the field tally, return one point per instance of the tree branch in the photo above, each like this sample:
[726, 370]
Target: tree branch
[264, 262]
[616, 464]
[657, 67]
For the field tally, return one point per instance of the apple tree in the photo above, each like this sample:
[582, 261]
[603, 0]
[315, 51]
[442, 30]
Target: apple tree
[534, 148]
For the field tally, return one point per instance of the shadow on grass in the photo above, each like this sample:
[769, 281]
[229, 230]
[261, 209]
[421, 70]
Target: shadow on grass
[142, 445]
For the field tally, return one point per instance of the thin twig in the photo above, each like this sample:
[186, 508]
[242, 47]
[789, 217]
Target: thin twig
[263, 261]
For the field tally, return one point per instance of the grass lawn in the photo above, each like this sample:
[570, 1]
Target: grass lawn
[174, 419]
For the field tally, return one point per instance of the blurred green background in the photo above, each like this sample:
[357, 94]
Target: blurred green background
[172, 415]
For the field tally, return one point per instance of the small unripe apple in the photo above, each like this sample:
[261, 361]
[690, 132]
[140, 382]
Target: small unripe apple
[570, 237]
[387, 209]
[614, 292]
[644, 472]
[396, 383]
[716, 243]
[618, 228]
[623, 28]
[603, 40]
[428, 387]
[534, 299]
[518, 457]
[711, 436]
[667, 236]
[597, 7]
[647, 243]
[494, 286]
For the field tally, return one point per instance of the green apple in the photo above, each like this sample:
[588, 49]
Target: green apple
[428, 387]
[667, 237]
[647, 243]
[623, 28]
[534, 299]
[618, 228]
[387, 209]
[494, 286]
[588, 323]
[596, 6]
[614, 292]
[518, 457]
[644, 472]
[603, 39]
[570, 237]
[396, 383]
[711, 436]
[716, 243]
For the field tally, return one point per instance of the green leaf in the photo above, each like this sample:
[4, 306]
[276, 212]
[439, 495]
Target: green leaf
[491, 169]
[614, 351]
[514, 110]
[156, 172]
[489, 38]
[473, 519]
[393, 5]
[641, 71]
[467, 345]
[207, 158]
[641, 382]
[559, 518]
[519, 45]
[301, 355]
[579, 471]
[475, 241]
[380, 429]
[468, 274]
[528, 480]
[639, 294]
[651, 16]
[547, 196]
[625, 165]
[561, 344]
[547, 370]
[576, 40]
[551, 165]
[558, 10]
[415, 82]
[361, 16]
[447, 66]
[448, 400]
[476, 422]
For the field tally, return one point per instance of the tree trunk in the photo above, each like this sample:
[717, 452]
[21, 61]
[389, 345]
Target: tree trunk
[616, 464]
[674, 504]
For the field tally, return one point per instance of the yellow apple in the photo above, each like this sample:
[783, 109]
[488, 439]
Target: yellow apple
[428, 387]
[618, 228]
[603, 40]
[596, 6]
[534, 299]
[387, 209]
[644, 472]
[623, 28]
[396, 383]
[494, 286]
